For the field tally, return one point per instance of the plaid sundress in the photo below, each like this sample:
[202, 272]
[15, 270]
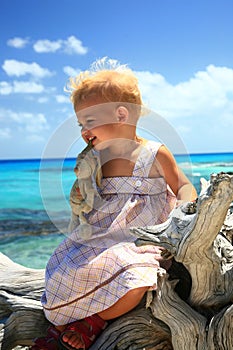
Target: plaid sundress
[84, 277]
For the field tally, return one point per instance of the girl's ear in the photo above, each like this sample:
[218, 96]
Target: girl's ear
[122, 114]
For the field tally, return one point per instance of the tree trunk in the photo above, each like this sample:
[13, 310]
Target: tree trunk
[192, 307]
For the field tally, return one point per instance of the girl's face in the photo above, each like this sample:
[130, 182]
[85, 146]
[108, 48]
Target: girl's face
[98, 122]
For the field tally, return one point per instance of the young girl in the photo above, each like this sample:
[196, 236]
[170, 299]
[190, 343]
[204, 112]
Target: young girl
[99, 274]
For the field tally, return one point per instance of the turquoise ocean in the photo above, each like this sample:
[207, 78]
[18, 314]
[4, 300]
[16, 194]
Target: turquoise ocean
[34, 206]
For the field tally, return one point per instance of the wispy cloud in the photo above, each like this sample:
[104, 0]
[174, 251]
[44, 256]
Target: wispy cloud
[18, 43]
[70, 71]
[27, 87]
[19, 68]
[5, 88]
[62, 99]
[43, 99]
[71, 45]
[24, 121]
[35, 138]
[20, 87]
[5, 133]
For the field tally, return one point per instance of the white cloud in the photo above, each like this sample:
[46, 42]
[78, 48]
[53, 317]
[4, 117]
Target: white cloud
[37, 123]
[71, 72]
[71, 45]
[20, 87]
[44, 46]
[62, 99]
[227, 118]
[27, 87]
[5, 88]
[42, 99]
[35, 138]
[208, 93]
[199, 110]
[74, 46]
[182, 129]
[19, 68]
[18, 43]
[25, 122]
[5, 133]
[33, 123]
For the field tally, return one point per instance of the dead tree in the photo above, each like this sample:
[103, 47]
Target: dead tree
[192, 307]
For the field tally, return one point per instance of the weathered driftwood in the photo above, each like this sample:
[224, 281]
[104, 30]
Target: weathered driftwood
[192, 308]
[204, 321]
[21, 315]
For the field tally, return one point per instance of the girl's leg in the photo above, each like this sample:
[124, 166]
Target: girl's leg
[128, 302]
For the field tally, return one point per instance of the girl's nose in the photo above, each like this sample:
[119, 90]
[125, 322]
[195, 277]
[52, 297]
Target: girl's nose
[86, 134]
[84, 131]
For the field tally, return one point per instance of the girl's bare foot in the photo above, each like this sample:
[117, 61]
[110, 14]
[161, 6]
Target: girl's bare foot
[74, 340]
[71, 338]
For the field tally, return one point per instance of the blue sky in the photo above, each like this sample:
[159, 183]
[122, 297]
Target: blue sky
[181, 51]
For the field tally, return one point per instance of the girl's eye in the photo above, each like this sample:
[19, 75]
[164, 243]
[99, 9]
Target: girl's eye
[87, 123]
[90, 121]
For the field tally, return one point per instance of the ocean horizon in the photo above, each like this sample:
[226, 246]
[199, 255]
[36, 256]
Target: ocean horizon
[34, 201]
[73, 157]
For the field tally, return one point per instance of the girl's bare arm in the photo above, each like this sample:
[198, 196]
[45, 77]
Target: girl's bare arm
[174, 176]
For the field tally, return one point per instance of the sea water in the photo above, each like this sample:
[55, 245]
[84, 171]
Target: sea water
[34, 201]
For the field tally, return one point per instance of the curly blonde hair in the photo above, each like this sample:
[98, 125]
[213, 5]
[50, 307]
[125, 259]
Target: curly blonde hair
[107, 80]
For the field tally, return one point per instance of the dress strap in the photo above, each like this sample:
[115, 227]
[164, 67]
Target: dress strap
[146, 158]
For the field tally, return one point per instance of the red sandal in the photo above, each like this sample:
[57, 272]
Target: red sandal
[50, 342]
[88, 330]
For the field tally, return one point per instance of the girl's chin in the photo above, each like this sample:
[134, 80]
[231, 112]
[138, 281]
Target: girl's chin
[99, 146]
[102, 145]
